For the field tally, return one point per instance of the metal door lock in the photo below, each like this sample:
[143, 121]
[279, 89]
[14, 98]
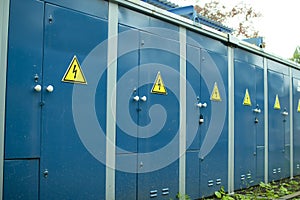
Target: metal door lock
[285, 113]
[45, 173]
[141, 164]
[50, 19]
[36, 78]
[256, 120]
[201, 119]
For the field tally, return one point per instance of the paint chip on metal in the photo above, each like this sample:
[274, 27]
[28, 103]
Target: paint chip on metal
[159, 86]
[247, 99]
[74, 73]
[277, 103]
[215, 95]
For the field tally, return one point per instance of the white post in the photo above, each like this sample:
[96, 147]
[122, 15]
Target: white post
[112, 53]
[266, 120]
[230, 120]
[182, 138]
[291, 127]
[4, 20]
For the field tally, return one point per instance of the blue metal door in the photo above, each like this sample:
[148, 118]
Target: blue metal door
[126, 113]
[296, 122]
[206, 156]
[67, 169]
[249, 128]
[192, 118]
[279, 134]
[158, 130]
[213, 152]
[259, 115]
[148, 120]
[24, 74]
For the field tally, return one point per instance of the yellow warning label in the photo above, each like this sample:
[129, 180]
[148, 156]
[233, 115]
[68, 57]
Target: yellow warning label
[215, 95]
[74, 73]
[298, 109]
[247, 99]
[159, 86]
[277, 103]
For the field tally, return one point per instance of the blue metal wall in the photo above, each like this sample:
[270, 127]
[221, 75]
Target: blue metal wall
[54, 150]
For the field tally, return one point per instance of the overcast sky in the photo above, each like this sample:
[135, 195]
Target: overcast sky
[280, 23]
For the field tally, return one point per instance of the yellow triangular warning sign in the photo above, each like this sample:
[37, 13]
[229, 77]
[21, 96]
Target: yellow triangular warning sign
[247, 99]
[298, 109]
[215, 95]
[277, 103]
[74, 73]
[159, 86]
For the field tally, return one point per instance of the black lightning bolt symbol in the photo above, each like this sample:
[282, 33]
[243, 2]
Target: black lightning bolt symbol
[74, 71]
[159, 84]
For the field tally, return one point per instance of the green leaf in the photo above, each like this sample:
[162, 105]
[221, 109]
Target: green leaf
[218, 194]
[222, 190]
[261, 184]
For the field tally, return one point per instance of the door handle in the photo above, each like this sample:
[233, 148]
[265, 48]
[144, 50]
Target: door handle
[144, 98]
[256, 110]
[201, 105]
[136, 98]
[38, 88]
[50, 88]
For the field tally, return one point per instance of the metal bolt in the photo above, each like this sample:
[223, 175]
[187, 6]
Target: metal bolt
[42, 103]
